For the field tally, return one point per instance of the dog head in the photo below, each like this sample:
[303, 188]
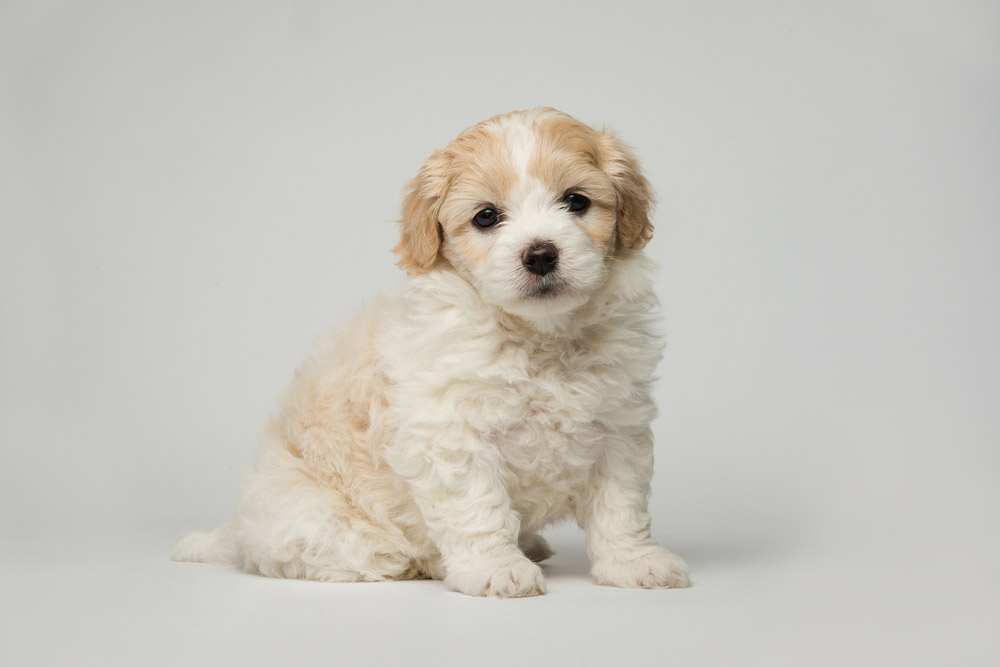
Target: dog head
[530, 207]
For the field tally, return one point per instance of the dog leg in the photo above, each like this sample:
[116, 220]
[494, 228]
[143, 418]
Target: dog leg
[461, 493]
[613, 511]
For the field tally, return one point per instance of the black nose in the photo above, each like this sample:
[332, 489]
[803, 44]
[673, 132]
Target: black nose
[540, 258]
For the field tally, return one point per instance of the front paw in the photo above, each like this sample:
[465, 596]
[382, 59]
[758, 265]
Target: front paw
[516, 578]
[656, 569]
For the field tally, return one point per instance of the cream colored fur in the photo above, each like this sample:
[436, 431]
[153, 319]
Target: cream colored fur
[438, 432]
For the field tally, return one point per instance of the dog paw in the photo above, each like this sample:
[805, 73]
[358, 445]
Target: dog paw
[657, 569]
[535, 547]
[518, 578]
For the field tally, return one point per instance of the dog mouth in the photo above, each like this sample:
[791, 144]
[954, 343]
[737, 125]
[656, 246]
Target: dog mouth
[545, 287]
[542, 297]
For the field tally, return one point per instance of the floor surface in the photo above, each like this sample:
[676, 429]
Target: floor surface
[119, 601]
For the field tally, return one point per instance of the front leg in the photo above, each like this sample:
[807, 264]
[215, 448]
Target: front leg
[458, 483]
[613, 511]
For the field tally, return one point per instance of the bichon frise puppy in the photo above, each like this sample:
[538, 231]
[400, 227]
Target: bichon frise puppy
[506, 387]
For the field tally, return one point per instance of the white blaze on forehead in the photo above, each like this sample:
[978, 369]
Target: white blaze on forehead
[521, 143]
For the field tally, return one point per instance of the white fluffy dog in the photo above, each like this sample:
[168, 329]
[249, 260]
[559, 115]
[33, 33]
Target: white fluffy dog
[507, 387]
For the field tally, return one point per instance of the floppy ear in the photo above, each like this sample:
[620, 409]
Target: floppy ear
[635, 195]
[420, 233]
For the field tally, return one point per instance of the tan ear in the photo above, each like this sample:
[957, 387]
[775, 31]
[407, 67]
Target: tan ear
[635, 195]
[420, 233]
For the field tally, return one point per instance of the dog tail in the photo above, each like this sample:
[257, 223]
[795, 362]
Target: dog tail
[215, 547]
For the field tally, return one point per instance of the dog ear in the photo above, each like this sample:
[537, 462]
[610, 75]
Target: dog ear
[420, 233]
[635, 195]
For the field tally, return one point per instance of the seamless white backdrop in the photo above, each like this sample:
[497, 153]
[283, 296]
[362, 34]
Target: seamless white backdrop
[181, 184]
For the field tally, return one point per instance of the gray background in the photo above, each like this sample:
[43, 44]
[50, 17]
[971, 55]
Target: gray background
[190, 192]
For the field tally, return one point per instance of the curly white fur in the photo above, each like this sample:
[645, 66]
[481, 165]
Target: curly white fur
[448, 423]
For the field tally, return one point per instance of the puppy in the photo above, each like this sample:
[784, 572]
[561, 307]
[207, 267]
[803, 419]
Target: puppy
[506, 387]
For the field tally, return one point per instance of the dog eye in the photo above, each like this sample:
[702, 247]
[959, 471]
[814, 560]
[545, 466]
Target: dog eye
[486, 218]
[576, 203]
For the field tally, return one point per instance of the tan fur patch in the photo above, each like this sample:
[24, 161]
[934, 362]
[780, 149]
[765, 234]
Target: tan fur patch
[420, 236]
[481, 176]
[567, 161]
[635, 194]
[564, 136]
[470, 173]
